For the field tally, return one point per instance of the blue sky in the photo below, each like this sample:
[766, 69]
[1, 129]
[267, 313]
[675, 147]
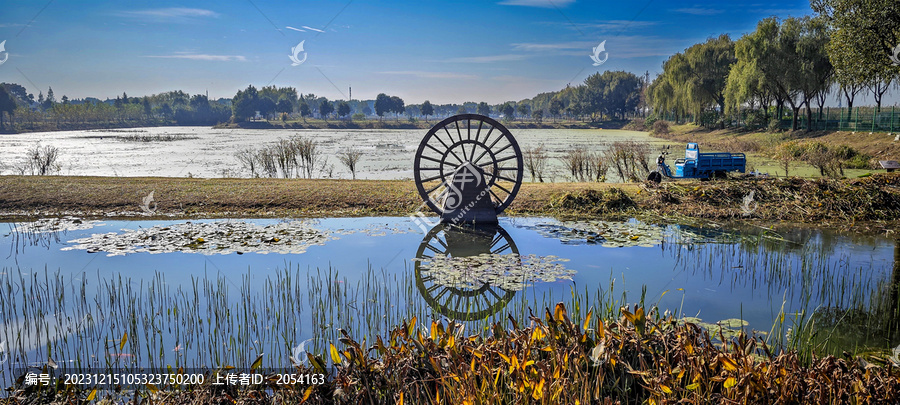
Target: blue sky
[444, 51]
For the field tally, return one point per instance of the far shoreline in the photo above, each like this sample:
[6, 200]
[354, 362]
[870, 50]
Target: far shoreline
[387, 123]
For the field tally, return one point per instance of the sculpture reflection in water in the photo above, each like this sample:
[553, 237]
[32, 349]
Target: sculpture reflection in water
[463, 295]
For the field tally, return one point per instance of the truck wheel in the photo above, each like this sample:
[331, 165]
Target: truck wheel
[654, 177]
[720, 175]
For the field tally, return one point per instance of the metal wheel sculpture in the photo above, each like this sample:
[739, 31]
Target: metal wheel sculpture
[464, 138]
[458, 303]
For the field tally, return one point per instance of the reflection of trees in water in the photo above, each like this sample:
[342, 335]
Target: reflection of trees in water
[805, 264]
[852, 307]
[872, 325]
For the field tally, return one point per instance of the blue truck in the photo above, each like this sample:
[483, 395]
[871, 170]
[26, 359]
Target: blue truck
[696, 165]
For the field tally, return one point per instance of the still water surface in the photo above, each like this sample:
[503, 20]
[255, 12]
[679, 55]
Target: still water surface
[216, 292]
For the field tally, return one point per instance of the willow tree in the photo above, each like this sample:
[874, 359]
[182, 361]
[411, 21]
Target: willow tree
[863, 36]
[816, 71]
[695, 80]
[791, 56]
[746, 84]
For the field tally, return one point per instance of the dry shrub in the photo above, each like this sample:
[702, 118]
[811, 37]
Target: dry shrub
[350, 158]
[294, 157]
[536, 162]
[41, 161]
[630, 159]
[584, 166]
[660, 127]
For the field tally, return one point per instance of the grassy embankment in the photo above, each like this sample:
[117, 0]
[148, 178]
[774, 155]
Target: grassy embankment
[763, 146]
[873, 199]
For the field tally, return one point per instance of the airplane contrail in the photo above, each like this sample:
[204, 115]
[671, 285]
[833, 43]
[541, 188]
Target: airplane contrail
[312, 29]
[295, 29]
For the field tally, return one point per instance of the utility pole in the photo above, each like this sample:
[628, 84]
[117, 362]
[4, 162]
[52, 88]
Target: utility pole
[351, 93]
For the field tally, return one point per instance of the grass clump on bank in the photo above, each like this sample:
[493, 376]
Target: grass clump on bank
[873, 198]
[593, 201]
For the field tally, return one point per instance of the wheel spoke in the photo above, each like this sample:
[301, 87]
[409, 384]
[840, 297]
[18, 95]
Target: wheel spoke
[435, 149]
[503, 149]
[502, 188]
[500, 249]
[452, 141]
[425, 180]
[499, 200]
[431, 159]
[505, 159]
[434, 188]
[506, 178]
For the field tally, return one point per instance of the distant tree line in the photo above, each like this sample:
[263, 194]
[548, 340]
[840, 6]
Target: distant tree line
[23, 111]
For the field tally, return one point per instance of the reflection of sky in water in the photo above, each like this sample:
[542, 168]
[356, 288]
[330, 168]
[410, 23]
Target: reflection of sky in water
[737, 279]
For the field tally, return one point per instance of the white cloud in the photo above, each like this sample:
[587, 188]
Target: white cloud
[535, 47]
[430, 75]
[625, 46]
[537, 3]
[171, 13]
[488, 59]
[202, 56]
[699, 11]
[604, 26]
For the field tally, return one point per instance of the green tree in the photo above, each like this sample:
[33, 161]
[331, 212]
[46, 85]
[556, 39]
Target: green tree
[790, 57]
[145, 104]
[304, 110]
[49, 100]
[863, 34]
[483, 109]
[244, 104]
[325, 108]
[7, 105]
[462, 110]
[427, 109]
[266, 107]
[19, 92]
[556, 107]
[382, 104]
[695, 81]
[523, 110]
[397, 105]
[343, 109]
[507, 110]
[284, 106]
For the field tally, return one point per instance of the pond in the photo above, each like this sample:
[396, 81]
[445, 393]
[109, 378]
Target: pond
[210, 293]
[209, 152]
